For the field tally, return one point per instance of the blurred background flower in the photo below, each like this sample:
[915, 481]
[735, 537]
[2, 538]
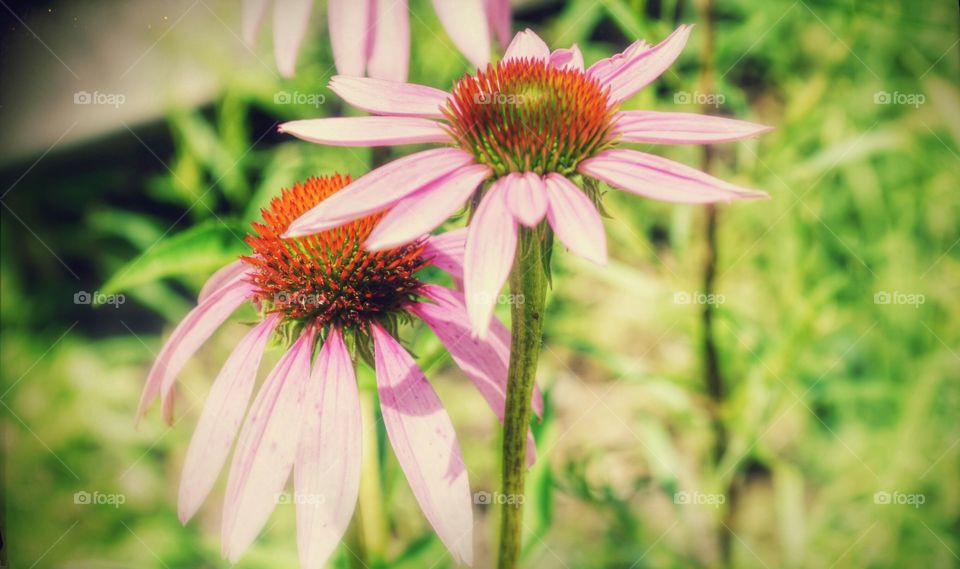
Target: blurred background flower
[147, 128]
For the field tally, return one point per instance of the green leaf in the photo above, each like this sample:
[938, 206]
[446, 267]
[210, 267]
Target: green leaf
[199, 250]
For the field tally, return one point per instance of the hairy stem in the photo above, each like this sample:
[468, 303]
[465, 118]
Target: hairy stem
[528, 287]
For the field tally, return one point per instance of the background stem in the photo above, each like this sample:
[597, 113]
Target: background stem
[528, 285]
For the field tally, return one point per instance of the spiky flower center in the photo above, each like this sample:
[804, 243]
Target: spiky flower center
[520, 115]
[328, 277]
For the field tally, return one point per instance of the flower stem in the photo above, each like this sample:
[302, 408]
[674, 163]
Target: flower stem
[528, 288]
[370, 521]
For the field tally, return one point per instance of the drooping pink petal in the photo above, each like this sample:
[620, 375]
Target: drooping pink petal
[425, 444]
[466, 23]
[527, 44]
[349, 25]
[446, 250]
[425, 209]
[327, 470]
[290, 20]
[186, 338]
[498, 14]
[266, 449]
[367, 131]
[220, 419]
[251, 18]
[575, 219]
[390, 49]
[661, 179]
[480, 360]
[379, 189]
[567, 58]
[682, 128]
[382, 97]
[226, 274]
[602, 70]
[640, 70]
[491, 245]
[526, 197]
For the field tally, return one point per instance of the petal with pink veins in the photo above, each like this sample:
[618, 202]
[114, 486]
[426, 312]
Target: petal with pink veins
[682, 128]
[491, 246]
[566, 58]
[661, 179]
[326, 473]
[466, 23]
[527, 44]
[225, 275]
[575, 219]
[390, 52]
[290, 20]
[446, 250]
[644, 67]
[349, 25]
[605, 68]
[266, 449]
[367, 131]
[425, 444]
[383, 97]
[498, 14]
[380, 189]
[186, 339]
[221, 418]
[425, 209]
[526, 197]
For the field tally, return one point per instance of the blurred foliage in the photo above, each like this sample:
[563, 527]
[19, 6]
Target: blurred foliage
[833, 395]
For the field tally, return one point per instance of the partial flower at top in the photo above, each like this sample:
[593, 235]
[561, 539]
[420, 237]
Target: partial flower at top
[326, 289]
[540, 123]
[372, 37]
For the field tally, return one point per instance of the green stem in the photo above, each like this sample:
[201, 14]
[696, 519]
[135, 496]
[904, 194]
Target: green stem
[528, 287]
[368, 535]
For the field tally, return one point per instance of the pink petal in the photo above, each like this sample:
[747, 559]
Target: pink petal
[187, 337]
[390, 52]
[380, 189]
[480, 360]
[661, 179]
[639, 71]
[445, 251]
[682, 128]
[575, 219]
[251, 18]
[425, 444]
[367, 131]
[466, 23]
[425, 209]
[266, 449]
[606, 68]
[227, 274]
[383, 97]
[491, 244]
[527, 44]
[570, 58]
[349, 25]
[526, 198]
[498, 14]
[290, 19]
[221, 417]
[327, 470]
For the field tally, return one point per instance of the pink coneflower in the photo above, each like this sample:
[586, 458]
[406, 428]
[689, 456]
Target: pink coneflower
[327, 289]
[372, 37]
[539, 122]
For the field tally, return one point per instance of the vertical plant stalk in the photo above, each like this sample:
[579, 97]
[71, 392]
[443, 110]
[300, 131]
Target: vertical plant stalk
[528, 287]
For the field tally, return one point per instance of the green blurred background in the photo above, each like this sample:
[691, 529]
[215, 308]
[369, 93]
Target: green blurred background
[832, 443]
